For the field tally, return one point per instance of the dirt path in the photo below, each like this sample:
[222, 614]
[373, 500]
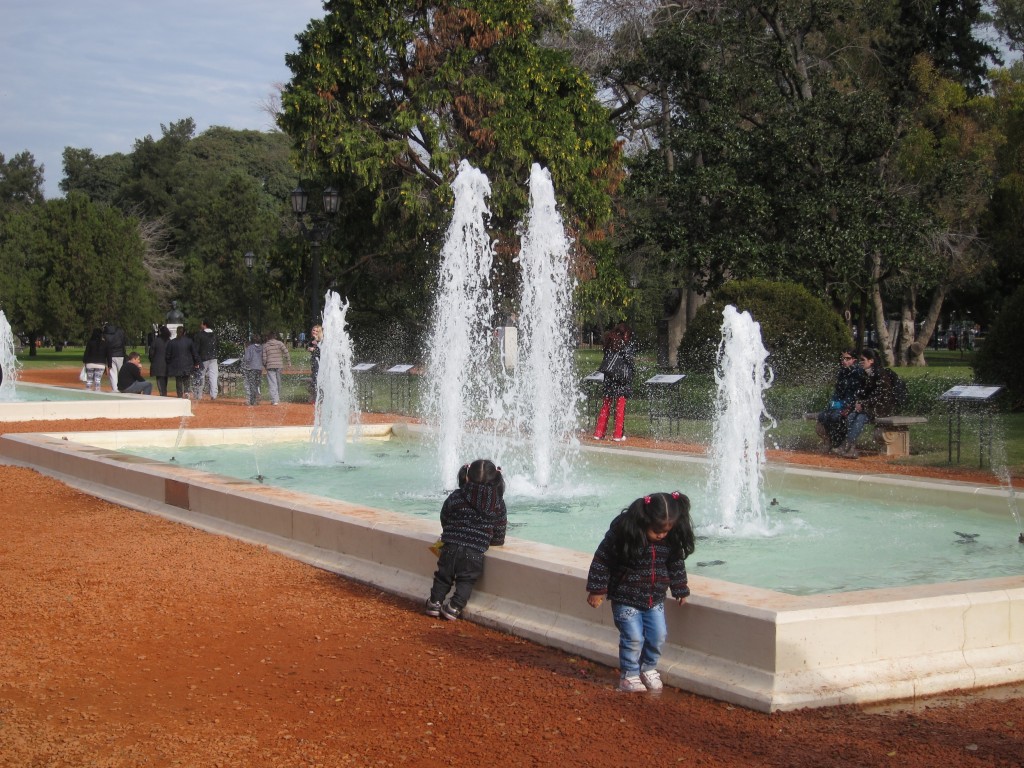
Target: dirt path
[126, 640]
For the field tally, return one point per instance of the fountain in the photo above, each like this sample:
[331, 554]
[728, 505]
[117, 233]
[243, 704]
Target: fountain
[751, 645]
[527, 424]
[737, 451]
[459, 386]
[8, 360]
[545, 394]
[336, 397]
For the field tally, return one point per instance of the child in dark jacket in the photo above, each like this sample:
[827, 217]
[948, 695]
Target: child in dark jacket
[640, 558]
[473, 518]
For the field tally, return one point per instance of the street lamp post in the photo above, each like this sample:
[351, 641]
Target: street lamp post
[250, 261]
[316, 232]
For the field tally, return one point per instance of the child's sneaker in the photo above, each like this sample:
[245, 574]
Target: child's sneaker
[432, 608]
[450, 612]
[631, 684]
[652, 679]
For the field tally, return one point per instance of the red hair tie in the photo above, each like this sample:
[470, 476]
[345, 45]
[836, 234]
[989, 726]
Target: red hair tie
[647, 500]
[676, 495]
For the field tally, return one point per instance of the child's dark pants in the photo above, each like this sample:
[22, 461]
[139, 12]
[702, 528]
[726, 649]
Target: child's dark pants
[460, 566]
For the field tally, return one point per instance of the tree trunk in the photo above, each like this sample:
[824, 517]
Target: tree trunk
[908, 326]
[915, 353]
[884, 341]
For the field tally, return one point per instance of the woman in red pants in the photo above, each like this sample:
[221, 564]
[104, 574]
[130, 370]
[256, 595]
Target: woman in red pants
[618, 367]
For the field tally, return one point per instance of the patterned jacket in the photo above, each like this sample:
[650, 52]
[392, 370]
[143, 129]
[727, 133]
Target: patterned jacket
[474, 516]
[642, 583]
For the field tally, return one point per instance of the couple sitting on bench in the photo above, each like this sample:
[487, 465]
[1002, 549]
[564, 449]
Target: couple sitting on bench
[865, 390]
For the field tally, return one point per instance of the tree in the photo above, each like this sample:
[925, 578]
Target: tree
[70, 265]
[764, 146]
[21, 180]
[386, 98]
[101, 178]
[946, 162]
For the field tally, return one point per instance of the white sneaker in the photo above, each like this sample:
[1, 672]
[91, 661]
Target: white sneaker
[619, 439]
[631, 684]
[652, 680]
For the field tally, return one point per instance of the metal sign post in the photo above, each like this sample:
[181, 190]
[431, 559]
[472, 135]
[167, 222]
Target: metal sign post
[365, 388]
[971, 397]
[663, 399]
[401, 388]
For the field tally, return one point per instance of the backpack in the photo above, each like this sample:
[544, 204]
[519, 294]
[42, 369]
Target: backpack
[615, 368]
[892, 390]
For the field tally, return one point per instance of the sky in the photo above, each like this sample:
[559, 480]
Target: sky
[100, 74]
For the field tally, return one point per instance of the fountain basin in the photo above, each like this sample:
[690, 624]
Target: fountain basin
[755, 647]
[42, 402]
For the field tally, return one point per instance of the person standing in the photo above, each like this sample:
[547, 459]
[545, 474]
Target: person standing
[619, 368]
[473, 518]
[831, 426]
[315, 337]
[275, 358]
[114, 337]
[182, 361]
[96, 359]
[252, 370]
[130, 380]
[640, 558]
[206, 348]
[158, 358]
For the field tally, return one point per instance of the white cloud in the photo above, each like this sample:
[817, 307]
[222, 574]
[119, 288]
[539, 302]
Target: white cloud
[101, 75]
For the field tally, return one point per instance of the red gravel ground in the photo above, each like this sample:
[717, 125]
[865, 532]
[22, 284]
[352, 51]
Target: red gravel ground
[126, 640]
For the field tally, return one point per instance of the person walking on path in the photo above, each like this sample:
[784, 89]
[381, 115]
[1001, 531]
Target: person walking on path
[206, 349]
[275, 358]
[182, 361]
[114, 337]
[473, 518]
[130, 380]
[252, 370]
[619, 368]
[96, 359]
[641, 557]
[158, 358]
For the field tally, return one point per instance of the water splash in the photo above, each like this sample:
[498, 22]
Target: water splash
[546, 394]
[737, 451]
[336, 398]
[1001, 469]
[8, 359]
[459, 387]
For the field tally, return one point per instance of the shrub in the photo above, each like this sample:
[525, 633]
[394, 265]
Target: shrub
[803, 335]
[999, 359]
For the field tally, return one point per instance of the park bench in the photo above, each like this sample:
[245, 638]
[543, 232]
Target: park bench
[892, 433]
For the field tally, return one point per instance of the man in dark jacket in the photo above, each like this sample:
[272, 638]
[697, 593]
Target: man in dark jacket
[130, 379]
[206, 348]
[182, 360]
[114, 337]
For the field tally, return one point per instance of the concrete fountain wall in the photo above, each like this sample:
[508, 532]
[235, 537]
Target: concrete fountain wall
[52, 403]
[757, 648]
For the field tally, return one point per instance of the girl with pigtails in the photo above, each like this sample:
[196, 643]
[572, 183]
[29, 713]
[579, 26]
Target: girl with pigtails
[639, 560]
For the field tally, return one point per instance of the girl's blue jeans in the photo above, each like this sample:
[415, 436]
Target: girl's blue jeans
[641, 635]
